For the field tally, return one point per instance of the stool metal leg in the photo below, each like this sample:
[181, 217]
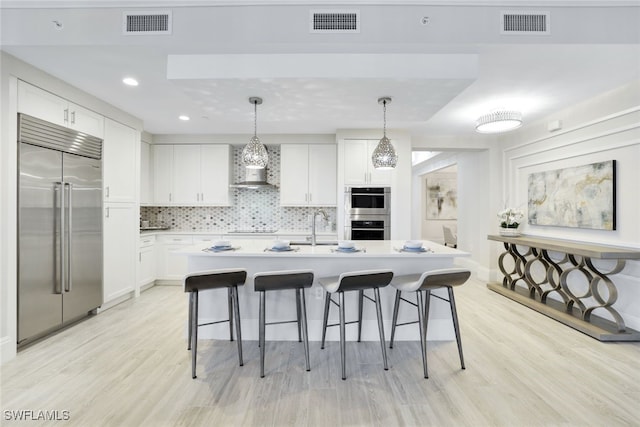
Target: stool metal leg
[305, 332]
[425, 327]
[298, 316]
[190, 326]
[423, 342]
[396, 307]
[327, 301]
[360, 306]
[194, 336]
[236, 307]
[261, 332]
[230, 304]
[342, 338]
[381, 327]
[456, 325]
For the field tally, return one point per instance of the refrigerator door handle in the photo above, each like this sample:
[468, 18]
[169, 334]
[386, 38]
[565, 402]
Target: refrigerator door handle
[68, 187]
[59, 256]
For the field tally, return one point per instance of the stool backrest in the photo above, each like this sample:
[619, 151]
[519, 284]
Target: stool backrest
[213, 279]
[367, 279]
[287, 279]
[444, 277]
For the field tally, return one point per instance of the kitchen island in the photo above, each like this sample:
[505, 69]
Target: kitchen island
[324, 260]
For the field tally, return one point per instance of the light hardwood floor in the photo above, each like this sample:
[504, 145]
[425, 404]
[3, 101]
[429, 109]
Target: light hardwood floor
[129, 367]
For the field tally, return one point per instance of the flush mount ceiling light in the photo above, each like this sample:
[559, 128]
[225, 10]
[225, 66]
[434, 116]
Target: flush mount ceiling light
[499, 121]
[254, 154]
[184, 118]
[384, 156]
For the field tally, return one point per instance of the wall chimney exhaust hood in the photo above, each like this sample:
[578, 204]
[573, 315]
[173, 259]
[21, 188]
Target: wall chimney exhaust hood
[254, 179]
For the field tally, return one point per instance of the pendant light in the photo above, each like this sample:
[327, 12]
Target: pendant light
[384, 156]
[254, 154]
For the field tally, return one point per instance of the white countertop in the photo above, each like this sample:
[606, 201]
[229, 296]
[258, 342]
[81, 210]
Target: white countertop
[238, 234]
[369, 249]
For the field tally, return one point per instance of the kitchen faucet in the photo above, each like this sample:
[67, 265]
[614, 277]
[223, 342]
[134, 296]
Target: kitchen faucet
[313, 224]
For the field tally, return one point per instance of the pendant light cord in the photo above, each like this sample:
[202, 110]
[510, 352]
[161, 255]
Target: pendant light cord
[384, 109]
[255, 118]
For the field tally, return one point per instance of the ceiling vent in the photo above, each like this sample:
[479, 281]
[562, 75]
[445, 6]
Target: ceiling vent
[334, 21]
[146, 23]
[525, 23]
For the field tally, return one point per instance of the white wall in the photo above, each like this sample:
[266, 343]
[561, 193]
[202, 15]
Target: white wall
[12, 69]
[605, 128]
[476, 171]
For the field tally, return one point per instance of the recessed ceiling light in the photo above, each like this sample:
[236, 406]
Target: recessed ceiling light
[184, 118]
[130, 81]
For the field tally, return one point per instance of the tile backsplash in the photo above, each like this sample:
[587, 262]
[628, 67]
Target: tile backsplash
[251, 210]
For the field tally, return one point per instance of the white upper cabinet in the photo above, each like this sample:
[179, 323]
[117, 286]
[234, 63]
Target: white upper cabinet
[146, 195]
[52, 108]
[186, 174]
[308, 175]
[120, 160]
[162, 156]
[215, 174]
[358, 167]
[190, 175]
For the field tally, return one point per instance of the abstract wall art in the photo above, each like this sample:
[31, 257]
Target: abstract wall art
[442, 199]
[581, 196]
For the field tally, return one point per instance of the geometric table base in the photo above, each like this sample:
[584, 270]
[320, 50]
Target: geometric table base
[567, 282]
[598, 328]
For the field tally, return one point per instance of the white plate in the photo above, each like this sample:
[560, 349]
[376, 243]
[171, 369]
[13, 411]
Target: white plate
[413, 244]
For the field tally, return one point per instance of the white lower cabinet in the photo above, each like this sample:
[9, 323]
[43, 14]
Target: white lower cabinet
[146, 271]
[169, 265]
[120, 230]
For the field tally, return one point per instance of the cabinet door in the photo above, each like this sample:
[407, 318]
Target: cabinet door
[146, 266]
[215, 174]
[376, 176]
[85, 120]
[120, 235]
[42, 104]
[294, 175]
[145, 173]
[186, 174]
[162, 173]
[322, 175]
[120, 162]
[356, 162]
[171, 266]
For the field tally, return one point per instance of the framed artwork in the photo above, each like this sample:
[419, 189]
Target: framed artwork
[581, 196]
[442, 196]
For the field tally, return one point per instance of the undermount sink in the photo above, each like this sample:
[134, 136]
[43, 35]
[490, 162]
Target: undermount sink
[318, 243]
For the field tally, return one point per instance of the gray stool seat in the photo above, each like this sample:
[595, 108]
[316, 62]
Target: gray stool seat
[208, 280]
[296, 280]
[426, 282]
[354, 281]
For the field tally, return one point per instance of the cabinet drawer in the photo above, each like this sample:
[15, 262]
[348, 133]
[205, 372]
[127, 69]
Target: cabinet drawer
[175, 239]
[206, 239]
[147, 241]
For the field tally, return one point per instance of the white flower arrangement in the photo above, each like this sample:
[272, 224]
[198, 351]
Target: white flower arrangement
[510, 217]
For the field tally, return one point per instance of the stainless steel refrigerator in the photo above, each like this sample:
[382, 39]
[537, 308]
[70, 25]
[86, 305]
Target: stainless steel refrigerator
[59, 227]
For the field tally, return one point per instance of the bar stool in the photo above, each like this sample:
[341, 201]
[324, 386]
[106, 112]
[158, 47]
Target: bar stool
[278, 281]
[213, 279]
[354, 281]
[428, 281]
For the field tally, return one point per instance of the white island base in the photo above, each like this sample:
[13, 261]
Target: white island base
[324, 261]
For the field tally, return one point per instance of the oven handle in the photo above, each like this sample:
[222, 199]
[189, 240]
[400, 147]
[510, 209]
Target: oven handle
[367, 229]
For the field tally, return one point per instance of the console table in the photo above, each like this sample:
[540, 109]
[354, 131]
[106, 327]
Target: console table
[535, 268]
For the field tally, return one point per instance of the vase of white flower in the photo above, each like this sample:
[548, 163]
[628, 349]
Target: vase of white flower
[510, 219]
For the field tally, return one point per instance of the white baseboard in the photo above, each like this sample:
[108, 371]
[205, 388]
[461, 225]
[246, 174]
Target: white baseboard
[8, 349]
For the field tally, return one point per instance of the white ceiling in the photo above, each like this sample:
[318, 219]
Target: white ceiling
[441, 75]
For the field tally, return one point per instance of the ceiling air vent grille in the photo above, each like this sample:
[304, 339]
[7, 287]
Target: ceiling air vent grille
[525, 23]
[335, 21]
[146, 23]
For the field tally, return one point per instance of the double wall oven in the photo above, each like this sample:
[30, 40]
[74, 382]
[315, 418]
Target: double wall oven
[367, 213]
